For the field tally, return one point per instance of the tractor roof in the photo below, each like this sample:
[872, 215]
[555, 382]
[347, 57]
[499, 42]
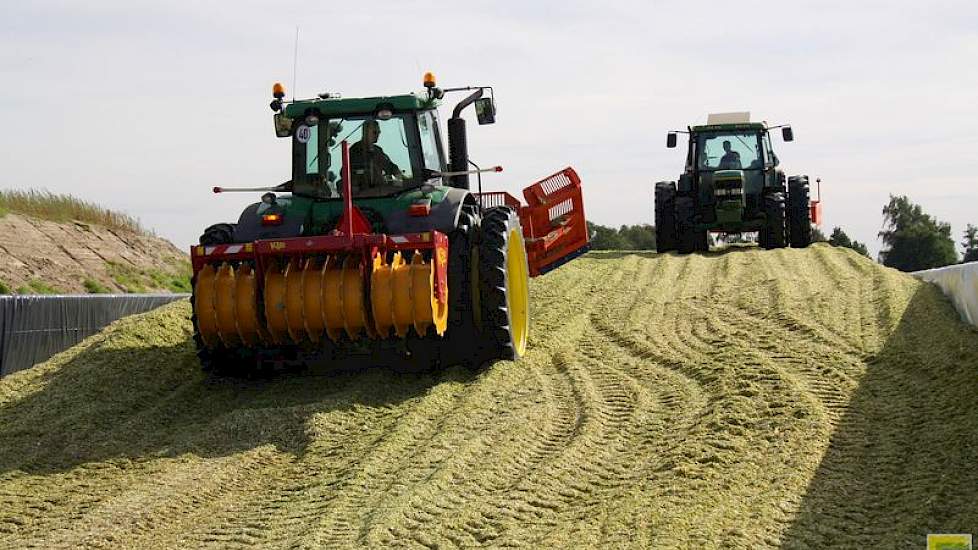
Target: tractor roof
[358, 105]
[749, 126]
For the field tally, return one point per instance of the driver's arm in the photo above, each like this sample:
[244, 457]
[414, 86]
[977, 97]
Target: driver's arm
[390, 167]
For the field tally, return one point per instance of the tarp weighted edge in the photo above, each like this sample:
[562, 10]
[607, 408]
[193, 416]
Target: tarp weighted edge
[960, 284]
[33, 328]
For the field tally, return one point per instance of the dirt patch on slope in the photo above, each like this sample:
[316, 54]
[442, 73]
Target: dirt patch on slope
[747, 399]
[40, 256]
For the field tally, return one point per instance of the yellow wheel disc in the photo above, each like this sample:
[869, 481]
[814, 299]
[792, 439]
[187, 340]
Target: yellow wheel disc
[293, 301]
[381, 296]
[275, 304]
[518, 293]
[312, 312]
[332, 305]
[422, 294]
[224, 304]
[354, 313]
[246, 307]
[401, 292]
[204, 306]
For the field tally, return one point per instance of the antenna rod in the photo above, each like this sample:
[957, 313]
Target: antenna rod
[295, 60]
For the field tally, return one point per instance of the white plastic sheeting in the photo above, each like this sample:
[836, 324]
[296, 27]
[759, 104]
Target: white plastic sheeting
[33, 328]
[960, 283]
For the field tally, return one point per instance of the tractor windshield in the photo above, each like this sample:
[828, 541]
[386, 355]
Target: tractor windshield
[729, 151]
[380, 157]
[386, 156]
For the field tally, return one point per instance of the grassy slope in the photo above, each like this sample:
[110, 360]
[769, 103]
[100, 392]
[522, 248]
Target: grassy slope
[64, 208]
[44, 205]
[796, 399]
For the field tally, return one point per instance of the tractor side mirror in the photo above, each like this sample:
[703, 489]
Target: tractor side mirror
[485, 110]
[671, 140]
[283, 126]
[787, 134]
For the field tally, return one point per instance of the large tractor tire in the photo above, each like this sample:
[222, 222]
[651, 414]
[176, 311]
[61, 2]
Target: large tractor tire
[665, 216]
[774, 234]
[463, 295]
[688, 238]
[503, 286]
[221, 233]
[799, 212]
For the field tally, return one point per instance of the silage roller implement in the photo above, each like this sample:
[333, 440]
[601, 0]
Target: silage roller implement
[367, 285]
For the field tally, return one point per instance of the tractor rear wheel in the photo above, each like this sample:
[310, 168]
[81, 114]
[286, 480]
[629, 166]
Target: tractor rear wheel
[799, 213]
[665, 216]
[773, 234]
[689, 239]
[503, 285]
[462, 336]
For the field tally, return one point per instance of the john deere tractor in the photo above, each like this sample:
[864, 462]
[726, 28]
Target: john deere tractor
[376, 247]
[733, 184]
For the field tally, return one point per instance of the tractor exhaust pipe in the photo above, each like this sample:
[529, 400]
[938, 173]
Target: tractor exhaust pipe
[458, 148]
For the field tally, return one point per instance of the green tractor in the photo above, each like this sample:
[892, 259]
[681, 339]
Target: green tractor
[733, 184]
[376, 247]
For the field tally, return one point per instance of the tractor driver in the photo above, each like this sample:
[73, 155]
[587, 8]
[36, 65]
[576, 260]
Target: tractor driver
[730, 159]
[370, 167]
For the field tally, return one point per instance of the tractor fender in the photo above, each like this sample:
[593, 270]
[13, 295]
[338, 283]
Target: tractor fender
[250, 228]
[442, 217]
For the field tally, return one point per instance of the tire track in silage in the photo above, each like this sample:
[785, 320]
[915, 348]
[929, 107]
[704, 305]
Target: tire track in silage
[541, 495]
[582, 472]
[635, 410]
[403, 508]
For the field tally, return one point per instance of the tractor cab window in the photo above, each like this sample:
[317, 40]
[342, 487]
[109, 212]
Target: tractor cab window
[772, 159]
[428, 129]
[385, 156]
[730, 151]
[380, 155]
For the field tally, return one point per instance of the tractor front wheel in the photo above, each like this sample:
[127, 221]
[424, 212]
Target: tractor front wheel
[503, 285]
[665, 216]
[799, 212]
[689, 239]
[773, 234]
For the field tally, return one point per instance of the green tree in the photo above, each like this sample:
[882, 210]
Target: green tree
[970, 244]
[913, 240]
[638, 237]
[839, 238]
[604, 238]
[628, 237]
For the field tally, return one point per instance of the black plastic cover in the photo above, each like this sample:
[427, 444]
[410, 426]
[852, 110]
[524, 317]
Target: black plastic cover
[33, 328]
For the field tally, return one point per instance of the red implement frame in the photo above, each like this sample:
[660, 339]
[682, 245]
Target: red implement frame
[815, 206]
[553, 220]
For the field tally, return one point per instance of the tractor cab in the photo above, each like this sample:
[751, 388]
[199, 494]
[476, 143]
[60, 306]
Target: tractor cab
[394, 145]
[732, 183]
[730, 160]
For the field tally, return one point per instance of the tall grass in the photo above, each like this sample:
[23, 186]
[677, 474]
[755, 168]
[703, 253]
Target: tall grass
[62, 208]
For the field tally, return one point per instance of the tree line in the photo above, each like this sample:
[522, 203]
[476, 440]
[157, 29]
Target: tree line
[912, 239]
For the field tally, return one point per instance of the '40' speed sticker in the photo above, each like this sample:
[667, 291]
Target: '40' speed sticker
[303, 133]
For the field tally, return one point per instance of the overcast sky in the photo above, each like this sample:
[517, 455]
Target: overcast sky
[143, 107]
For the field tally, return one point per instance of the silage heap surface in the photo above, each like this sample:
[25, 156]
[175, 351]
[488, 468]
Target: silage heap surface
[741, 399]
